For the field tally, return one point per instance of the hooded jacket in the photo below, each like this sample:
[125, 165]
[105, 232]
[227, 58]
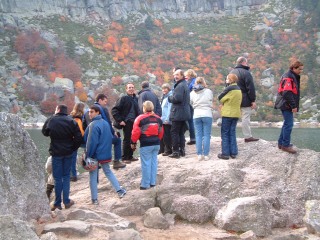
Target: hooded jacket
[231, 100]
[201, 99]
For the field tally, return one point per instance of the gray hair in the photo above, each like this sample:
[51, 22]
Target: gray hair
[242, 60]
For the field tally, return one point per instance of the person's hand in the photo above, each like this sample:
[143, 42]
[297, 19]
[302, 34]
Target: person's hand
[295, 110]
[122, 123]
[253, 105]
[133, 146]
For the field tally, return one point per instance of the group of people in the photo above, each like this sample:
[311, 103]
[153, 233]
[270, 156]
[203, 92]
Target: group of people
[160, 126]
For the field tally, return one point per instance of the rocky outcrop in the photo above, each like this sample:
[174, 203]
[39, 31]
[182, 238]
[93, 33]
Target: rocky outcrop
[116, 10]
[22, 178]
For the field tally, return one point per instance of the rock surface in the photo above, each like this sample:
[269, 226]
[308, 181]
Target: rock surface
[279, 183]
[22, 178]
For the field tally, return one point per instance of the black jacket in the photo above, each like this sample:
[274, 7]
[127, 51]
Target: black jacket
[64, 133]
[246, 84]
[147, 95]
[180, 99]
[123, 106]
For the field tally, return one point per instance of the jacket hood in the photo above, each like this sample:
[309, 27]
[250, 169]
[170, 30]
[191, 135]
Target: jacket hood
[242, 66]
[198, 87]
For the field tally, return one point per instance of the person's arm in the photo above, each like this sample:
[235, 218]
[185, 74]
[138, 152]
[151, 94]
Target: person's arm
[288, 94]
[251, 91]
[116, 110]
[136, 131]
[177, 96]
[45, 130]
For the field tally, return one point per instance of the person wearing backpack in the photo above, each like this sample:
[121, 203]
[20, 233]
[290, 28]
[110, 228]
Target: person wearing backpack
[101, 102]
[77, 114]
[289, 91]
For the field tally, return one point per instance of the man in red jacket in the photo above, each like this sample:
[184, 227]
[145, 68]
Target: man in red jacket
[289, 89]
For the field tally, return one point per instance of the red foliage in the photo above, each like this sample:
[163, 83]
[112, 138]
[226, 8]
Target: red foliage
[31, 92]
[68, 100]
[116, 26]
[108, 91]
[68, 68]
[116, 80]
[49, 105]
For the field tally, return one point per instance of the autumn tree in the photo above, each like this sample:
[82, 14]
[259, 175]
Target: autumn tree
[49, 104]
[68, 68]
[32, 92]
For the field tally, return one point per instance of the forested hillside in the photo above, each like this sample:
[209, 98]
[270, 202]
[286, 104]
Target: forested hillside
[111, 52]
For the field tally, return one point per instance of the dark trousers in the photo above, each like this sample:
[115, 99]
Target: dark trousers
[191, 126]
[178, 128]
[126, 144]
[165, 144]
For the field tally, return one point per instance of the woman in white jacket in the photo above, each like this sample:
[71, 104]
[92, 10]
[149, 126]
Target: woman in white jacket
[201, 99]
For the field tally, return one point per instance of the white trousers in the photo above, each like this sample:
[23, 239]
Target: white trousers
[246, 113]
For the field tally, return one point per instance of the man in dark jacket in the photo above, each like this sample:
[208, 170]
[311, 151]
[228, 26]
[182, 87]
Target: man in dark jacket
[65, 138]
[179, 113]
[101, 102]
[289, 88]
[146, 94]
[125, 112]
[246, 84]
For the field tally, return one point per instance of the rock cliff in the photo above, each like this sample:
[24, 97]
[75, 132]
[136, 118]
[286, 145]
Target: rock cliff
[121, 9]
[22, 178]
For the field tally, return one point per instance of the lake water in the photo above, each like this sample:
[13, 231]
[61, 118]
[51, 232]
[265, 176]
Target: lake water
[301, 137]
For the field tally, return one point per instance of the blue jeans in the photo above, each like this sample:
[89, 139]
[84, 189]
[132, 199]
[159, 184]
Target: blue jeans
[285, 135]
[228, 136]
[203, 126]
[74, 164]
[116, 141]
[94, 180]
[61, 173]
[149, 165]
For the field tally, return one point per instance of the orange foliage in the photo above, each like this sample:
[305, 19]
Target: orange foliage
[120, 55]
[158, 23]
[91, 39]
[68, 68]
[82, 95]
[112, 40]
[78, 85]
[206, 71]
[177, 31]
[116, 26]
[125, 40]
[108, 47]
[116, 80]
[53, 75]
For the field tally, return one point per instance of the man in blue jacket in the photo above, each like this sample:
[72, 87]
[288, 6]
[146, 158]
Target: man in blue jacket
[98, 138]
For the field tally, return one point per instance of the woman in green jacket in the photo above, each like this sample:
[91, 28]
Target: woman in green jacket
[230, 99]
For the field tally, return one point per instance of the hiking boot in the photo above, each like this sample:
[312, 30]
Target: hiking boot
[251, 139]
[68, 205]
[143, 188]
[73, 179]
[118, 165]
[134, 159]
[288, 149]
[174, 155]
[166, 153]
[233, 156]
[223, 156]
[191, 142]
[182, 152]
[121, 192]
[95, 202]
[280, 146]
[53, 207]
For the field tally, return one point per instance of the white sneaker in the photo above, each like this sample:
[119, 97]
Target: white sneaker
[206, 158]
[200, 157]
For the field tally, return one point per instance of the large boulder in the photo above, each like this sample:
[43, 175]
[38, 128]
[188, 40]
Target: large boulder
[312, 217]
[244, 214]
[22, 176]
